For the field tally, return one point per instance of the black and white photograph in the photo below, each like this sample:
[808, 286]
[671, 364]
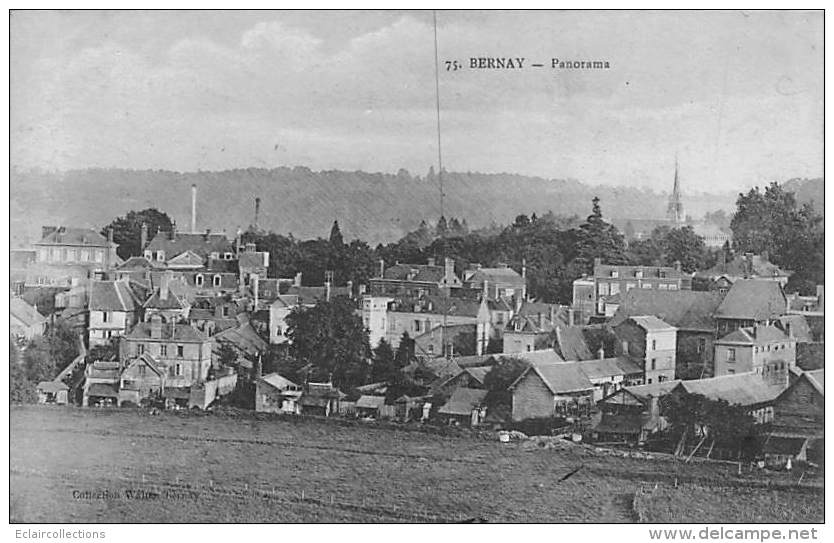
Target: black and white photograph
[417, 266]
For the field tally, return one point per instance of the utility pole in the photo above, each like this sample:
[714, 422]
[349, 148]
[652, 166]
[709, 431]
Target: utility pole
[440, 178]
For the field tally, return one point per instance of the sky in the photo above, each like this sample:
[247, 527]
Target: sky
[736, 96]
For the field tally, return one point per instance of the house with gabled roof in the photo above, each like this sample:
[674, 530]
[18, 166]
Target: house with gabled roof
[632, 413]
[169, 300]
[749, 302]
[69, 256]
[755, 392]
[532, 327]
[653, 342]
[798, 427]
[275, 393]
[747, 266]
[416, 280]
[757, 349]
[114, 309]
[166, 246]
[142, 378]
[183, 352]
[692, 313]
[498, 282]
[551, 389]
[466, 406]
[25, 322]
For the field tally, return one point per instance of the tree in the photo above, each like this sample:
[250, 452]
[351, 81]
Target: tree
[108, 351]
[384, 367]
[331, 337]
[21, 389]
[227, 355]
[405, 351]
[127, 230]
[683, 245]
[442, 228]
[38, 362]
[596, 238]
[336, 235]
[499, 378]
[464, 343]
[792, 236]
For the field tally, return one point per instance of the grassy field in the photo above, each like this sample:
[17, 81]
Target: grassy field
[216, 468]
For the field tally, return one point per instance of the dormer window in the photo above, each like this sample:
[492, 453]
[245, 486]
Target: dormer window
[215, 255]
[615, 273]
[215, 281]
[228, 256]
[149, 255]
[160, 256]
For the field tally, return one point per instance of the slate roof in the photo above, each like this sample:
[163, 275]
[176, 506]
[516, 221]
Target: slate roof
[817, 379]
[313, 295]
[439, 305]
[798, 327]
[570, 343]
[137, 263]
[559, 377]
[112, 296]
[744, 389]
[606, 368]
[545, 356]
[176, 332]
[755, 336]
[740, 266]
[253, 259]
[651, 323]
[172, 301]
[103, 390]
[503, 275]
[25, 313]
[463, 401]
[415, 272]
[186, 259]
[603, 271]
[654, 390]
[753, 299]
[52, 386]
[683, 309]
[243, 337]
[201, 244]
[278, 381]
[370, 402]
[67, 235]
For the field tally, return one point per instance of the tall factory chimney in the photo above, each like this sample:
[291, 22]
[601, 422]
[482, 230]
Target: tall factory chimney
[193, 209]
[257, 212]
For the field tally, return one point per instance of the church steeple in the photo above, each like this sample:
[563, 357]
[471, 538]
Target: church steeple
[675, 210]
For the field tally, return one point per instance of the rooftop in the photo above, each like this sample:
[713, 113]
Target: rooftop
[740, 389]
[650, 323]
[169, 332]
[755, 335]
[752, 299]
[202, 244]
[463, 401]
[684, 309]
[25, 313]
[112, 296]
[67, 235]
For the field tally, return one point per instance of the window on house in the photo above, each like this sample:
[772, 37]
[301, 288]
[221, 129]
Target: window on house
[663, 286]
[431, 348]
[142, 370]
[198, 279]
[654, 344]
[654, 363]
[228, 256]
[225, 311]
[99, 256]
[673, 287]
[140, 348]
[529, 348]
[160, 256]
[180, 351]
[104, 316]
[630, 286]
[647, 285]
[615, 273]
[661, 378]
[178, 370]
[649, 381]
[731, 372]
[731, 355]
[603, 289]
[279, 331]
[71, 255]
[615, 288]
[215, 255]
[163, 350]
[638, 274]
[417, 326]
[215, 281]
[702, 345]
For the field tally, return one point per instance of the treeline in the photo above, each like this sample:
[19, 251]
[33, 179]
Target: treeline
[556, 249]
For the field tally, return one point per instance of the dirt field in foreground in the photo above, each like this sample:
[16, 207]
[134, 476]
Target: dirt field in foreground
[94, 465]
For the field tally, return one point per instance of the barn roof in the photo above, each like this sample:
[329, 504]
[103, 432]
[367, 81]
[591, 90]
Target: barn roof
[743, 389]
[463, 401]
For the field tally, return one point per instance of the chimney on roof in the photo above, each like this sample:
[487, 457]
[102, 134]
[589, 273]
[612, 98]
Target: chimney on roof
[110, 235]
[164, 284]
[156, 327]
[381, 268]
[601, 353]
[46, 230]
[570, 316]
[143, 236]
[297, 280]
[193, 209]
[449, 268]
[432, 261]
